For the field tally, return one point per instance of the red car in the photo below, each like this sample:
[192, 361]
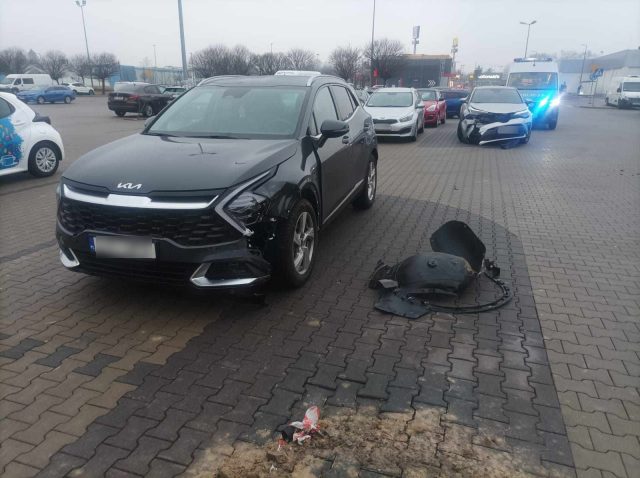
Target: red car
[435, 107]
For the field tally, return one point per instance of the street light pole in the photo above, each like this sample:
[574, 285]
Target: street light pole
[184, 51]
[373, 29]
[155, 64]
[82, 4]
[526, 48]
[584, 57]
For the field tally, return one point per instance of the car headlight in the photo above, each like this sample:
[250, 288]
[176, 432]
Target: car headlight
[406, 118]
[543, 102]
[474, 111]
[248, 208]
[431, 108]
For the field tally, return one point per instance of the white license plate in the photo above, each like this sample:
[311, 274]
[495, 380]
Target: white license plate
[115, 247]
[383, 127]
[118, 98]
[508, 130]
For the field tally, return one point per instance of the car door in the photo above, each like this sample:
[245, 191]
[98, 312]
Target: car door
[15, 138]
[355, 155]
[331, 153]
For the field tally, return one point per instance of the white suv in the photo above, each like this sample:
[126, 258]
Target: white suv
[396, 112]
[80, 89]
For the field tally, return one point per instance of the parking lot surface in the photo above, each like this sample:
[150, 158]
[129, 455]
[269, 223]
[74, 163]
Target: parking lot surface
[100, 377]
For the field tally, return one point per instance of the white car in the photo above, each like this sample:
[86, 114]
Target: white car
[28, 142]
[80, 89]
[396, 112]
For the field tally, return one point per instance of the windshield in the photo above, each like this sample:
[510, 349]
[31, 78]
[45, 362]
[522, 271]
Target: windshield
[495, 95]
[428, 95]
[533, 80]
[233, 112]
[390, 99]
[455, 94]
[6, 81]
[631, 86]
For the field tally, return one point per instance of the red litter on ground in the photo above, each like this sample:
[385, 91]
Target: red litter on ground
[299, 432]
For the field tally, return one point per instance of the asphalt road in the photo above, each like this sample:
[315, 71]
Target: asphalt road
[109, 378]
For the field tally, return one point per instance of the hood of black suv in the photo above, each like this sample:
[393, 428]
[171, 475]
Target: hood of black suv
[165, 163]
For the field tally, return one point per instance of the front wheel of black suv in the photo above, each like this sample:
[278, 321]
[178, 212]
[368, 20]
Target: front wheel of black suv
[147, 110]
[297, 240]
[367, 196]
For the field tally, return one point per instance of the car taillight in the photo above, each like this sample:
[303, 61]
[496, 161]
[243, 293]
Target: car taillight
[133, 98]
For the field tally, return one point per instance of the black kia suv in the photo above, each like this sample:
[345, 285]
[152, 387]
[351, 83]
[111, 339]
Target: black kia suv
[230, 183]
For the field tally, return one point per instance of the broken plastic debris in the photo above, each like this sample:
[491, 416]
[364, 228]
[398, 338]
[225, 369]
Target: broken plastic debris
[299, 432]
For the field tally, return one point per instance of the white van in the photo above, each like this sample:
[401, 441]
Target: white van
[624, 93]
[19, 82]
[537, 81]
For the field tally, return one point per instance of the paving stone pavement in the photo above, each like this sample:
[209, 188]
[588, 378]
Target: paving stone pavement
[101, 378]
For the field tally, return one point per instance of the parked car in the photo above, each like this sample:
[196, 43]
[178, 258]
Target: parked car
[50, 94]
[28, 142]
[174, 91]
[15, 83]
[454, 98]
[493, 114]
[231, 182]
[396, 112]
[143, 99]
[435, 107]
[80, 88]
[625, 92]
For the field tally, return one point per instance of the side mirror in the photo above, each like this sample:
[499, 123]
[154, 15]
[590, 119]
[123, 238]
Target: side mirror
[420, 106]
[41, 119]
[334, 128]
[618, 90]
[463, 100]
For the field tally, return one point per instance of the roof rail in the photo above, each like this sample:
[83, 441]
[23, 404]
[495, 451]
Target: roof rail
[211, 78]
[313, 78]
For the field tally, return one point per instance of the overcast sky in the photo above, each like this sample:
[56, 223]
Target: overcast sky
[488, 30]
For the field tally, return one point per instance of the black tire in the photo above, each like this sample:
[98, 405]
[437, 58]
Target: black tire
[91, 92]
[606, 101]
[421, 130]
[286, 247]
[366, 198]
[67, 99]
[40, 100]
[444, 119]
[43, 166]
[147, 110]
[120, 113]
[414, 137]
[553, 122]
[461, 137]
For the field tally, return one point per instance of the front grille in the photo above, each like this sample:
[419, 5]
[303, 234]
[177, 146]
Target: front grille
[185, 227]
[136, 269]
[494, 118]
[384, 121]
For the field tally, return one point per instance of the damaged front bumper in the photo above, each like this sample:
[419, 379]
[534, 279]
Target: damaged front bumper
[481, 133]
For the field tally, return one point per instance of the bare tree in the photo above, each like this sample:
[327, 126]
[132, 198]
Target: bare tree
[269, 63]
[33, 58]
[240, 60]
[147, 72]
[80, 65]
[13, 60]
[300, 59]
[386, 56]
[105, 65]
[575, 55]
[211, 61]
[55, 63]
[345, 61]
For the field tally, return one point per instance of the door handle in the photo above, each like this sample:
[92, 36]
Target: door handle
[345, 139]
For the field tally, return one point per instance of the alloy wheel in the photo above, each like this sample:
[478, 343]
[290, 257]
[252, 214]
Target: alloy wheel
[46, 159]
[303, 243]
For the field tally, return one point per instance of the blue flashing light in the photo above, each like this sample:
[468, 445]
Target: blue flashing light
[543, 102]
[555, 102]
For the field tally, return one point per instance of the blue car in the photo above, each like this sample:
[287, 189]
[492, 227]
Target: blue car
[454, 98]
[50, 94]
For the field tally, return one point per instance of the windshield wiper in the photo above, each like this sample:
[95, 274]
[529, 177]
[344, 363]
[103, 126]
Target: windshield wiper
[159, 133]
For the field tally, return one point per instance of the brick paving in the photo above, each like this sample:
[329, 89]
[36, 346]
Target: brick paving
[100, 378]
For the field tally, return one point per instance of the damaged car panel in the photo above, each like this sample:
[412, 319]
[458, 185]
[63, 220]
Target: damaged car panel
[230, 183]
[458, 258]
[494, 114]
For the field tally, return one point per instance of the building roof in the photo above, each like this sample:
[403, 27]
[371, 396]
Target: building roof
[613, 61]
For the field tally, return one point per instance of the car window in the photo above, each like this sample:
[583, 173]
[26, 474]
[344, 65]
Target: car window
[323, 108]
[51, 88]
[390, 99]
[5, 108]
[233, 111]
[428, 95]
[18, 82]
[341, 97]
[78, 84]
[27, 81]
[152, 90]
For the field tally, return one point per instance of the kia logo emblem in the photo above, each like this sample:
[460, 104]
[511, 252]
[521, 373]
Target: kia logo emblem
[129, 186]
